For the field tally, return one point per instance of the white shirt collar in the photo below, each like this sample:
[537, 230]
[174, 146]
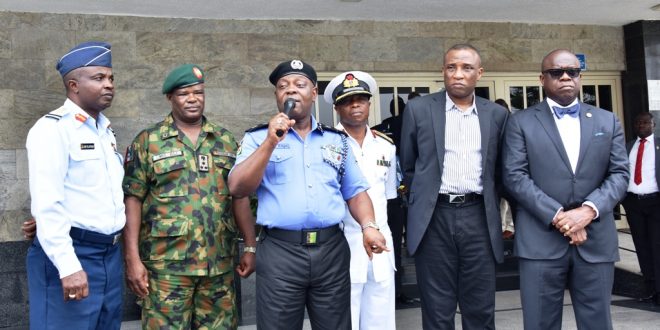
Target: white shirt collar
[552, 103]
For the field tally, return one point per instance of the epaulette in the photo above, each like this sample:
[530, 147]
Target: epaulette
[57, 113]
[332, 129]
[383, 135]
[113, 131]
[256, 128]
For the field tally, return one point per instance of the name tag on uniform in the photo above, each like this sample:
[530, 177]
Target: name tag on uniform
[87, 146]
[203, 163]
[168, 154]
[383, 162]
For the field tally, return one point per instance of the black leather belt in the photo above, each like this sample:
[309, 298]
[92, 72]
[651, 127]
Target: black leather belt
[643, 196]
[459, 198]
[305, 236]
[94, 237]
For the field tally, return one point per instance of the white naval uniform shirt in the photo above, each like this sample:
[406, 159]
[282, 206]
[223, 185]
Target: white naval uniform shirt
[75, 180]
[377, 160]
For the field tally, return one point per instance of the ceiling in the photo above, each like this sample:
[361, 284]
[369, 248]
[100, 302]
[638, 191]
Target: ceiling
[592, 12]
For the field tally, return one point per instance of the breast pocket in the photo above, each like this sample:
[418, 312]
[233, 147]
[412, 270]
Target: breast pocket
[170, 177]
[85, 167]
[169, 239]
[279, 167]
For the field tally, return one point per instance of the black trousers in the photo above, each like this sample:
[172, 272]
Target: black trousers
[396, 220]
[291, 276]
[644, 219]
[455, 264]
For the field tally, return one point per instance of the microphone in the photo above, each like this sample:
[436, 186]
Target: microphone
[288, 105]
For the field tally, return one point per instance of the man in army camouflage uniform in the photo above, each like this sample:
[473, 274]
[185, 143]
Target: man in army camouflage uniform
[179, 238]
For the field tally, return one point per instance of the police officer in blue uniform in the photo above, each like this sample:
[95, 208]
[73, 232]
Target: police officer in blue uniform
[75, 269]
[304, 175]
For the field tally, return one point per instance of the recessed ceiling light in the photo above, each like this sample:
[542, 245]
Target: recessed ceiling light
[656, 7]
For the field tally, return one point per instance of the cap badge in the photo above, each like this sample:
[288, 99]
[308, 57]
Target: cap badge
[350, 81]
[296, 65]
[198, 73]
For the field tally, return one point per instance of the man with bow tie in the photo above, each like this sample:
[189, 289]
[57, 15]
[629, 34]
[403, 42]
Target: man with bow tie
[566, 164]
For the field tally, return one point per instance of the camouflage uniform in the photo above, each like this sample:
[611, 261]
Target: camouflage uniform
[187, 231]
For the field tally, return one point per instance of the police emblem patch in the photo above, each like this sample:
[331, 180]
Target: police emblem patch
[333, 155]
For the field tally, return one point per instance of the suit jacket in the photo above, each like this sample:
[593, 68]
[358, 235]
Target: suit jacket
[538, 174]
[422, 159]
[629, 146]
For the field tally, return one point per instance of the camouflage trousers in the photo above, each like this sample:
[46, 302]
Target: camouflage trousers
[190, 302]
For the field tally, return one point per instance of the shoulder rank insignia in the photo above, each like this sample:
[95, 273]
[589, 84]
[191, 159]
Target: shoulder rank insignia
[56, 114]
[256, 128]
[324, 128]
[382, 135]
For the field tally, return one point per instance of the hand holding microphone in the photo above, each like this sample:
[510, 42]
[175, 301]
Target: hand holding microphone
[289, 104]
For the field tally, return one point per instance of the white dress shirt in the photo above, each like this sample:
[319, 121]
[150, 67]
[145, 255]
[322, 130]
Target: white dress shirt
[461, 171]
[75, 181]
[649, 182]
[377, 160]
[569, 130]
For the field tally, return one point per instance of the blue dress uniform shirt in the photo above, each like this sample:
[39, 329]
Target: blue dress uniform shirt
[301, 187]
[75, 180]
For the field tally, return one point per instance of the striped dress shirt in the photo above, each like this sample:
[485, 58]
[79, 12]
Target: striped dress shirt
[461, 173]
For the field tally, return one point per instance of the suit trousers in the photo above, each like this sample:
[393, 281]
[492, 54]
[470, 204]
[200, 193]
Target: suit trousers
[455, 263]
[644, 219]
[542, 285]
[100, 310]
[292, 276]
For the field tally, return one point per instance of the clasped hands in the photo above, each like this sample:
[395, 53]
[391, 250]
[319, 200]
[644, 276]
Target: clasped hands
[573, 223]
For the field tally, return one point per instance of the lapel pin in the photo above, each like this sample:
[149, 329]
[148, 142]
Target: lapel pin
[588, 114]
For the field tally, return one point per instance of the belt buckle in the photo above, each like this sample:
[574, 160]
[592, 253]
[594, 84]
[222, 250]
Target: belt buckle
[456, 199]
[310, 237]
[115, 239]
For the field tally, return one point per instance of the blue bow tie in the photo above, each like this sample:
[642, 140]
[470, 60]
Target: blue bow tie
[572, 111]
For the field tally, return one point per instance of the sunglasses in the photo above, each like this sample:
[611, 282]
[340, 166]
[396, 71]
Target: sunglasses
[558, 73]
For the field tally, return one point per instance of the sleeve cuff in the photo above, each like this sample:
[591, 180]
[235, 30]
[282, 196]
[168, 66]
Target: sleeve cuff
[593, 207]
[67, 265]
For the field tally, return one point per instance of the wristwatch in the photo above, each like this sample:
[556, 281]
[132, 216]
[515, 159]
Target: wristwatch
[371, 224]
[251, 249]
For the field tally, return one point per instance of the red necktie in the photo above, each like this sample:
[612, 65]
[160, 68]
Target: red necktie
[638, 163]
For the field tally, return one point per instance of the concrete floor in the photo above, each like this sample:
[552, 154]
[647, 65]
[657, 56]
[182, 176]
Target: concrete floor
[626, 314]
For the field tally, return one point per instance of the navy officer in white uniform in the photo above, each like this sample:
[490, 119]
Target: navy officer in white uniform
[372, 281]
[75, 269]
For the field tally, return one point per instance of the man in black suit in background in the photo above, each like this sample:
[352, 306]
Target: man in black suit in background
[642, 202]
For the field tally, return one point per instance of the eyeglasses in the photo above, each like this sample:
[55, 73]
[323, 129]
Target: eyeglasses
[558, 73]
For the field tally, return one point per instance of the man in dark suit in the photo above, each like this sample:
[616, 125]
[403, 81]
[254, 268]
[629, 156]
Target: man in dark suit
[565, 163]
[449, 149]
[642, 203]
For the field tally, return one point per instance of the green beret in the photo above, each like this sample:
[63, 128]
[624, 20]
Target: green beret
[183, 76]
